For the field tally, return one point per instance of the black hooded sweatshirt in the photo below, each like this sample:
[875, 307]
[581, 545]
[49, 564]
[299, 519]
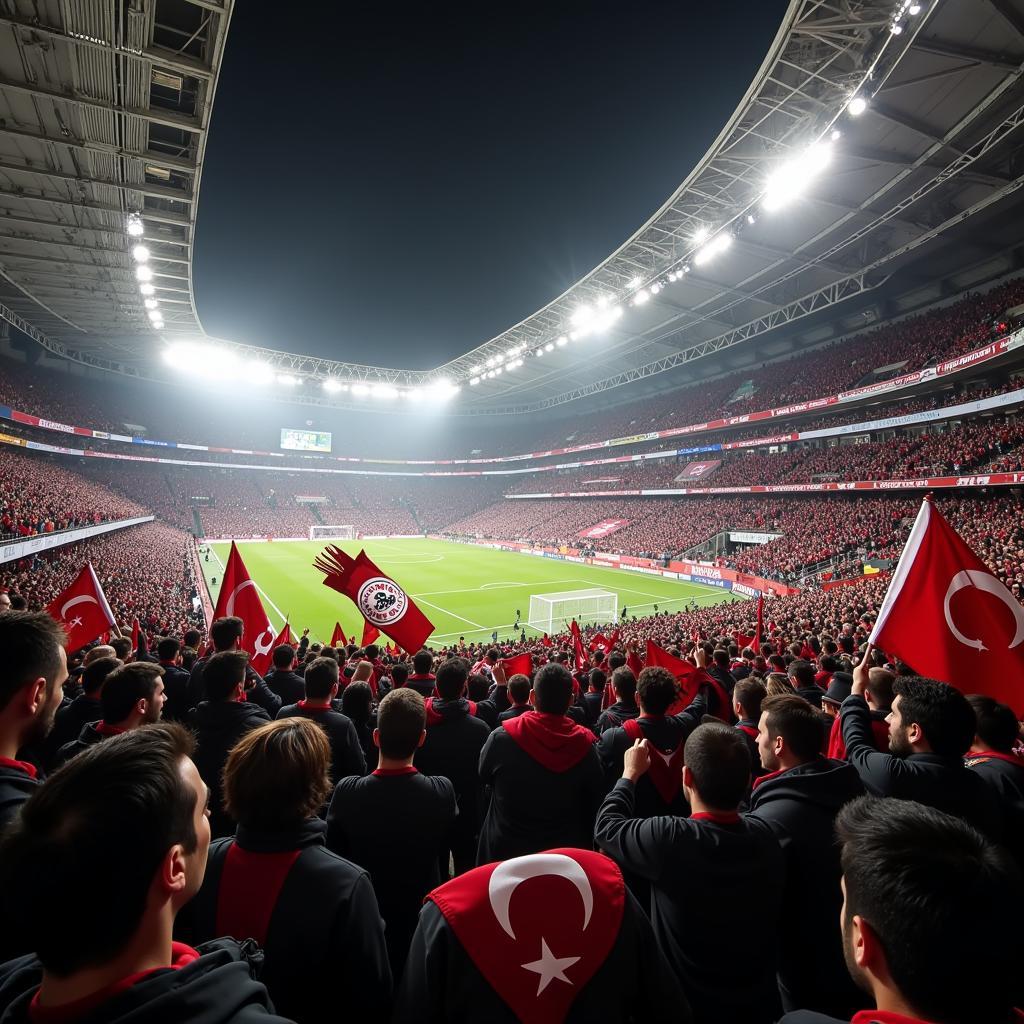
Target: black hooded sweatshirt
[17, 783]
[218, 987]
[799, 808]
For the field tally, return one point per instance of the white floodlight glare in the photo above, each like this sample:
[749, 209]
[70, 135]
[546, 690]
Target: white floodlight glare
[143, 273]
[473, 381]
[146, 289]
[158, 325]
[836, 135]
[700, 234]
[134, 225]
[656, 287]
[207, 359]
[563, 340]
[539, 353]
[641, 296]
[384, 391]
[582, 317]
[288, 380]
[490, 360]
[360, 389]
[549, 347]
[751, 219]
[857, 106]
[792, 179]
[477, 370]
[150, 303]
[490, 375]
[140, 254]
[498, 369]
[154, 314]
[602, 301]
[896, 29]
[258, 373]
[914, 10]
[331, 385]
[634, 283]
[716, 246]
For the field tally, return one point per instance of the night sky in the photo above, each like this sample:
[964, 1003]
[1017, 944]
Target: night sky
[394, 184]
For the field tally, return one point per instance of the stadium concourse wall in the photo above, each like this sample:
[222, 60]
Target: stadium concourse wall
[689, 572]
[968, 361]
[11, 550]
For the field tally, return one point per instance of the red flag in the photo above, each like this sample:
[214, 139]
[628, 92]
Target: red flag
[238, 596]
[948, 617]
[546, 641]
[284, 637]
[370, 633]
[577, 645]
[135, 633]
[689, 678]
[379, 598]
[742, 640]
[338, 636]
[756, 645]
[521, 664]
[82, 609]
[599, 642]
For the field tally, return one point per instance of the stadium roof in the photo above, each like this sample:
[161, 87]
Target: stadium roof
[805, 204]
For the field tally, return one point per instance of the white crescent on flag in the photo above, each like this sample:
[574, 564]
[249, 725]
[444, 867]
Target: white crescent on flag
[508, 875]
[229, 608]
[987, 582]
[82, 599]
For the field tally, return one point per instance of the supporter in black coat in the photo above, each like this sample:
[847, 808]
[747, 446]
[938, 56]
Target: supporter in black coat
[931, 728]
[313, 913]
[176, 680]
[31, 690]
[85, 708]
[594, 694]
[920, 888]
[103, 950]
[625, 706]
[219, 723]
[226, 635]
[747, 696]
[321, 682]
[798, 803]
[455, 737]
[421, 680]
[466, 966]
[478, 691]
[519, 693]
[357, 706]
[282, 679]
[802, 676]
[695, 866]
[395, 821]
[545, 776]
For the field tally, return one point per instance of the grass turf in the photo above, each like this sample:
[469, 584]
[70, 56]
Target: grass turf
[464, 590]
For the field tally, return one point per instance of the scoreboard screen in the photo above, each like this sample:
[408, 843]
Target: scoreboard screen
[305, 440]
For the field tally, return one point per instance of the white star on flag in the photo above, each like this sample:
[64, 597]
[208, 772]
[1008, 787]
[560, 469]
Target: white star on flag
[75, 622]
[549, 967]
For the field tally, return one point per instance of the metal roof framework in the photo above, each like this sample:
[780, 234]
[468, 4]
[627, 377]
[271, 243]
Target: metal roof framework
[105, 104]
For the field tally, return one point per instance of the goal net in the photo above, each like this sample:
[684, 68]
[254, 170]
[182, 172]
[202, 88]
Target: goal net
[336, 532]
[550, 612]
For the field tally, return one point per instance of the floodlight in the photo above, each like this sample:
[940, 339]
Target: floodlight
[140, 254]
[897, 29]
[656, 287]
[563, 340]
[792, 179]
[700, 234]
[641, 296]
[360, 389]
[158, 325]
[258, 373]
[146, 289]
[287, 380]
[384, 391]
[539, 353]
[154, 314]
[134, 225]
[143, 273]
[583, 316]
[473, 381]
[914, 10]
[717, 245]
[331, 385]
[549, 347]
[857, 106]
[498, 369]
[150, 303]
[634, 282]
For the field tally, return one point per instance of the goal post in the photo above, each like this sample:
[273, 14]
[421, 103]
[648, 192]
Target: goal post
[347, 532]
[550, 612]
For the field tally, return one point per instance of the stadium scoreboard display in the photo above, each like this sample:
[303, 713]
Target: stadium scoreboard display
[305, 440]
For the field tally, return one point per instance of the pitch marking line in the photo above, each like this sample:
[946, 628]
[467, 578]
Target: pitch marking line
[446, 611]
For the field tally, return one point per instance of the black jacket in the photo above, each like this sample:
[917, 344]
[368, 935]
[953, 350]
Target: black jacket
[812, 694]
[1005, 779]
[176, 688]
[616, 715]
[347, 757]
[256, 691]
[696, 869]
[89, 736]
[441, 985]
[217, 988]
[287, 685]
[394, 824]
[513, 712]
[799, 808]
[67, 726]
[324, 939]
[591, 704]
[932, 779]
[218, 727]
[17, 783]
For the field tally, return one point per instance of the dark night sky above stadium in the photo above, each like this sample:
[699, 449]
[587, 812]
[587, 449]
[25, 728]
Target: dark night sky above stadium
[396, 183]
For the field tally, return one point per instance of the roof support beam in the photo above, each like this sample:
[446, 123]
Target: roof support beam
[969, 54]
[147, 214]
[143, 188]
[1009, 14]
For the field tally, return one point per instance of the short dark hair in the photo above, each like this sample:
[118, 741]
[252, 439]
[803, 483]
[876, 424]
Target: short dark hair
[996, 724]
[719, 760]
[30, 642]
[929, 884]
[451, 678]
[321, 677]
[422, 662]
[803, 673]
[796, 721]
[122, 647]
[624, 682]
[167, 648]
[616, 660]
[192, 638]
[283, 656]
[942, 712]
[125, 687]
[477, 686]
[596, 679]
[222, 673]
[399, 674]
[372, 651]
[94, 674]
[356, 702]
[750, 693]
[277, 775]
[109, 815]
[657, 688]
[224, 632]
[401, 719]
[519, 688]
[552, 689]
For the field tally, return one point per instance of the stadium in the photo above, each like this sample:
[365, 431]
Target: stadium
[744, 447]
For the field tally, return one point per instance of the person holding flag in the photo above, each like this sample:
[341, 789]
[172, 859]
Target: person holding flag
[226, 635]
[83, 610]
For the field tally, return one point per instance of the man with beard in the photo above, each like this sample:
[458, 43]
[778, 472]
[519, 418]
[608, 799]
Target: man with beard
[31, 689]
[133, 695]
[925, 922]
[931, 728]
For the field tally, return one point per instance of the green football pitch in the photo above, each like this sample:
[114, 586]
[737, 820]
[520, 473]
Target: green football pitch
[464, 590]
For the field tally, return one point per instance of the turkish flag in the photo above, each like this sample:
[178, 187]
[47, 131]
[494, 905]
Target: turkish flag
[370, 633]
[380, 600]
[688, 677]
[604, 643]
[756, 645]
[338, 636]
[82, 609]
[521, 664]
[238, 596]
[577, 645]
[284, 637]
[948, 617]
